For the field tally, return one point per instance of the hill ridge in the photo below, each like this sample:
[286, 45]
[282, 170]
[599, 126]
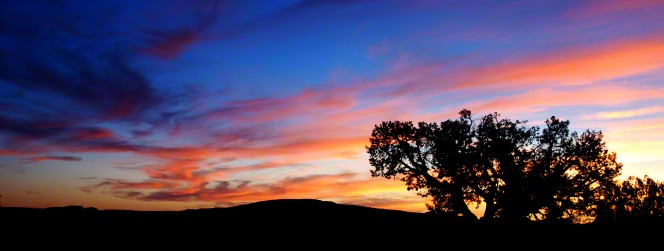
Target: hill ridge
[293, 212]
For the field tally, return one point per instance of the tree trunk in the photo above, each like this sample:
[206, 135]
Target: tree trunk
[490, 210]
[460, 205]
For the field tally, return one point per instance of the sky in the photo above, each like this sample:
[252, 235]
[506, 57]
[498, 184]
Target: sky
[169, 105]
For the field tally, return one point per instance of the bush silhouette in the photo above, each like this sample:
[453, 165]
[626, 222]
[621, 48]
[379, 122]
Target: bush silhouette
[518, 173]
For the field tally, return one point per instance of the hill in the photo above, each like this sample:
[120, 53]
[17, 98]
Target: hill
[272, 213]
[284, 223]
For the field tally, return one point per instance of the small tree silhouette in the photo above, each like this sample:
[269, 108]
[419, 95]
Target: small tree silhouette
[519, 173]
[634, 200]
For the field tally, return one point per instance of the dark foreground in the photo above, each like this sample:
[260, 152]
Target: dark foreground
[275, 213]
[277, 216]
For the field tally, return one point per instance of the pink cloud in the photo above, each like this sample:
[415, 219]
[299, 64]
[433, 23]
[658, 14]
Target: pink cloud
[7, 152]
[170, 45]
[45, 158]
[546, 98]
[595, 8]
[92, 133]
[566, 66]
[307, 102]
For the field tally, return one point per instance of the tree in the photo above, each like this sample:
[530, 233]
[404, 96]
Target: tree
[634, 200]
[517, 172]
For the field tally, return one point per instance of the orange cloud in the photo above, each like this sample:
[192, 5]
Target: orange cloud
[182, 152]
[336, 187]
[568, 66]
[308, 149]
[315, 186]
[411, 204]
[546, 98]
[576, 65]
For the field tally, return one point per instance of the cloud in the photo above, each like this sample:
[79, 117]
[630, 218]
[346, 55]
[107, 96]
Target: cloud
[168, 44]
[599, 8]
[607, 61]
[548, 98]
[181, 176]
[638, 129]
[92, 133]
[61, 78]
[7, 152]
[333, 186]
[45, 158]
[309, 4]
[119, 186]
[578, 65]
[406, 203]
[307, 102]
[313, 186]
[32, 193]
[101, 84]
[621, 114]
[52, 91]
[306, 149]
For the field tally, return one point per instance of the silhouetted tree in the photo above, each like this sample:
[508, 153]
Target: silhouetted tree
[517, 172]
[634, 200]
[571, 172]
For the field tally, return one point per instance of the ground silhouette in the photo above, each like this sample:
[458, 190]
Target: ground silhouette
[271, 213]
[265, 218]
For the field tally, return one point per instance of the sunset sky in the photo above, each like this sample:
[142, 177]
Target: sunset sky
[169, 105]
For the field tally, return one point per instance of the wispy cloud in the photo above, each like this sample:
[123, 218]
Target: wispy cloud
[45, 158]
[598, 8]
[638, 129]
[548, 98]
[334, 186]
[168, 44]
[621, 114]
[33, 193]
[576, 65]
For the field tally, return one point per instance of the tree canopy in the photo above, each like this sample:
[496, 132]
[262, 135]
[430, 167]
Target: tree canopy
[634, 200]
[517, 172]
